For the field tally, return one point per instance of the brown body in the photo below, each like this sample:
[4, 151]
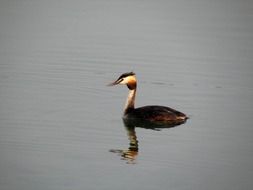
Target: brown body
[156, 113]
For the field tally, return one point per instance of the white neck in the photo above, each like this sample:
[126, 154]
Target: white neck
[130, 100]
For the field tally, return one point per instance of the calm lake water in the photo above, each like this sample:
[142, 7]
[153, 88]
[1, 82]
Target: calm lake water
[61, 126]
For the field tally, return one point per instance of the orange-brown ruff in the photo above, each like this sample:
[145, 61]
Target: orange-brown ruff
[151, 113]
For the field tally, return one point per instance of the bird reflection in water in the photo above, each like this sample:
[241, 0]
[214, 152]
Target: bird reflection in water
[130, 154]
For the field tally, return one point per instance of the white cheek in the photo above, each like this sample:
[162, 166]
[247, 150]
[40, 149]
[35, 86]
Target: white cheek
[127, 80]
[123, 82]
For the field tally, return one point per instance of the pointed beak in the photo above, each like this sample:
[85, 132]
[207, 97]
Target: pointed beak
[114, 83]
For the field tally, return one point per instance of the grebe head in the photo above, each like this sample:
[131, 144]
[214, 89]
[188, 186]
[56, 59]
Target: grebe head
[127, 78]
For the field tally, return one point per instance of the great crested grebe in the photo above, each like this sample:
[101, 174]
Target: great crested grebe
[151, 113]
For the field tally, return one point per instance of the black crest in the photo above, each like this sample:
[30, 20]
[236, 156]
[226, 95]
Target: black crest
[126, 75]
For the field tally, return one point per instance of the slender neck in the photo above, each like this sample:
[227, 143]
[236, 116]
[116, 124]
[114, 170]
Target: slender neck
[130, 100]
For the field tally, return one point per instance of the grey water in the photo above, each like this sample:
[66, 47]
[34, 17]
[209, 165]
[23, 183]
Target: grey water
[61, 126]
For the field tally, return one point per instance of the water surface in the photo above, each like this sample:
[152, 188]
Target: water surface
[60, 125]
